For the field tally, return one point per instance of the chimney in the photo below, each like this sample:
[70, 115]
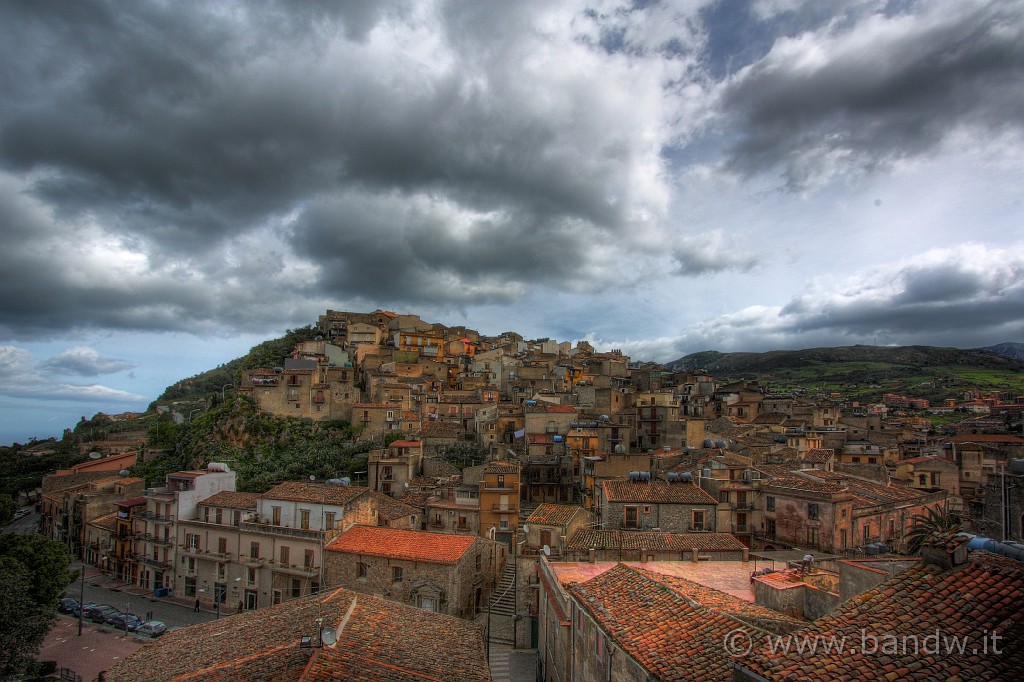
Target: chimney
[592, 558]
[945, 550]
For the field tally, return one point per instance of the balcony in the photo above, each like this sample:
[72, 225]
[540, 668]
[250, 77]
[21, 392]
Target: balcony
[158, 518]
[504, 509]
[155, 563]
[252, 560]
[284, 531]
[158, 541]
[297, 569]
[741, 506]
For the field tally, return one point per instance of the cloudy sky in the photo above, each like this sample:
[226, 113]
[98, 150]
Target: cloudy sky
[179, 181]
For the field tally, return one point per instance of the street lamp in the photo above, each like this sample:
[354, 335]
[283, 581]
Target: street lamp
[222, 397]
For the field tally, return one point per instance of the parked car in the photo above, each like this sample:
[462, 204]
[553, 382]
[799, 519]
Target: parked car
[99, 613]
[125, 621]
[151, 628]
[77, 611]
[22, 513]
[67, 605]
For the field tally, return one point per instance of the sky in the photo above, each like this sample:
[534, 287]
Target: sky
[181, 180]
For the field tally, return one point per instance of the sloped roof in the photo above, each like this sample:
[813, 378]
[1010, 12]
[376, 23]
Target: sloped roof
[409, 545]
[313, 493]
[232, 499]
[502, 467]
[970, 602]
[553, 514]
[389, 509]
[673, 627]
[623, 490]
[377, 640]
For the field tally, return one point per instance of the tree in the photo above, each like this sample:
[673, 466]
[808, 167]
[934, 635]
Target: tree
[25, 621]
[935, 520]
[7, 508]
[46, 561]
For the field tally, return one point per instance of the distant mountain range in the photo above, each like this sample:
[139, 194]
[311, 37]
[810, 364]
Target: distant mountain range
[1008, 349]
[1005, 356]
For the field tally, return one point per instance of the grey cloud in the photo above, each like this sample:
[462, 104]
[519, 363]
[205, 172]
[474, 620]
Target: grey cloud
[84, 362]
[712, 252]
[22, 379]
[861, 94]
[962, 297]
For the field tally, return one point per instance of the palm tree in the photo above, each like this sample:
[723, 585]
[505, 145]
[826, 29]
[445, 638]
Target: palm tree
[935, 520]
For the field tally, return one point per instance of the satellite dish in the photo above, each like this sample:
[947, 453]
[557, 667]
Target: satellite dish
[328, 636]
[95, 455]
[546, 550]
[526, 528]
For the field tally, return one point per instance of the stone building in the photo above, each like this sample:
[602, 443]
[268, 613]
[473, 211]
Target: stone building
[675, 507]
[452, 574]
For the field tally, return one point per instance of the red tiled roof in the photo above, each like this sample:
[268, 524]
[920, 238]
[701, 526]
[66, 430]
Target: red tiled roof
[232, 499]
[622, 490]
[107, 521]
[410, 545]
[502, 467]
[389, 509]
[553, 514]
[314, 493]
[377, 640]
[672, 627]
[969, 602]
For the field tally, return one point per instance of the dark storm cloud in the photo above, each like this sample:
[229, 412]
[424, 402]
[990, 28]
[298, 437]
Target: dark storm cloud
[866, 92]
[84, 362]
[194, 140]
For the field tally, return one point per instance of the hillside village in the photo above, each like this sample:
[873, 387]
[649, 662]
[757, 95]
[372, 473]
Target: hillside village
[625, 521]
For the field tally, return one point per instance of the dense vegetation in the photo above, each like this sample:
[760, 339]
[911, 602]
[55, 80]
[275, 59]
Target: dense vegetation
[866, 373]
[23, 473]
[270, 353]
[261, 448]
[33, 575]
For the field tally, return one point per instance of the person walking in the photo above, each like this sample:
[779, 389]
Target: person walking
[197, 606]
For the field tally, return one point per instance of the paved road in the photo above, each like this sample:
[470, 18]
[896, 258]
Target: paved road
[27, 524]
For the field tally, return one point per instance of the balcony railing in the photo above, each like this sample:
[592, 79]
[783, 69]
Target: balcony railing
[252, 560]
[296, 569]
[155, 563]
[305, 533]
[161, 542]
[741, 506]
[159, 518]
[504, 508]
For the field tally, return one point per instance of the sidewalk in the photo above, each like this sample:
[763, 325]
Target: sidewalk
[97, 578]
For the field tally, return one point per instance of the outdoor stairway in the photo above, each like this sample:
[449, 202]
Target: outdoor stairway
[504, 603]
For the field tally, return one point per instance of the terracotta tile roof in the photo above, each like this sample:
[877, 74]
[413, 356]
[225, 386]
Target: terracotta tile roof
[623, 490]
[502, 467]
[56, 483]
[107, 521]
[315, 493]
[970, 602]
[441, 429]
[554, 514]
[664, 624]
[819, 455]
[552, 409]
[410, 545]
[133, 502]
[232, 499]
[389, 509]
[377, 640]
[406, 444]
[588, 538]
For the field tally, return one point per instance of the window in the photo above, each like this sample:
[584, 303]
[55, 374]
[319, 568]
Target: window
[222, 545]
[307, 559]
[190, 564]
[285, 555]
[813, 513]
[501, 480]
[769, 503]
[769, 527]
[220, 592]
[396, 574]
[362, 570]
[192, 541]
[479, 562]
[698, 519]
[599, 648]
[250, 575]
[254, 550]
[812, 537]
[463, 522]
[329, 520]
[304, 519]
[190, 587]
[892, 529]
[221, 571]
[631, 517]
[296, 587]
[503, 523]
[545, 537]
[922, 479]
[220, 515]
[275, 516]
[723, 496]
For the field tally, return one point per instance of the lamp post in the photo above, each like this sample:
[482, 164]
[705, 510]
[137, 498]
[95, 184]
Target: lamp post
[222, 396]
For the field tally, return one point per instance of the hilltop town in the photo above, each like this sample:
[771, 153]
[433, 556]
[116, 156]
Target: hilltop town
[621, 518]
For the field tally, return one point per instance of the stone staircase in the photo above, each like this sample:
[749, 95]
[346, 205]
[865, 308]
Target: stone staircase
[504, 599]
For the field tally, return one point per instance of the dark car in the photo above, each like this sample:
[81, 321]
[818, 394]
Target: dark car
[67, 605]
[151, 628]
[77, 611]
[125, 621]
[99, 612]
